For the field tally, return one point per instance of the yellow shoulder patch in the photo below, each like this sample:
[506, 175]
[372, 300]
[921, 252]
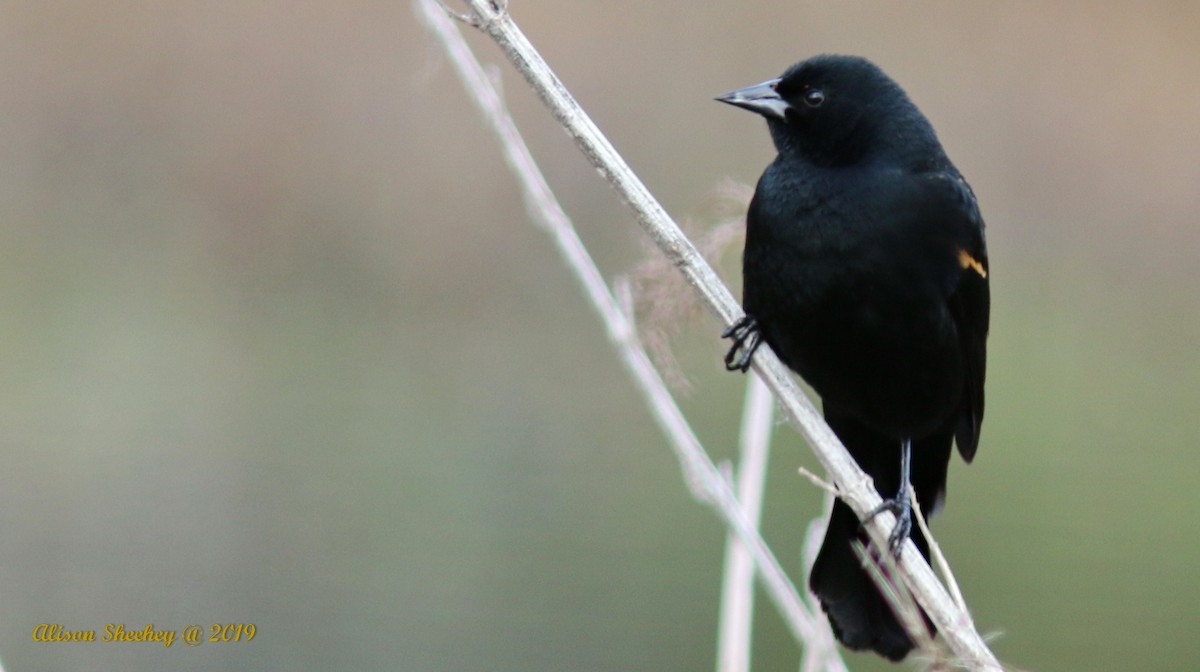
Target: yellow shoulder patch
[967, 261]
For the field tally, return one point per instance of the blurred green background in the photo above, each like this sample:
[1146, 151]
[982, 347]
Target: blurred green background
[281, 346]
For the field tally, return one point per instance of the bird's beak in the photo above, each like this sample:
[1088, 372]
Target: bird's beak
[760, 98]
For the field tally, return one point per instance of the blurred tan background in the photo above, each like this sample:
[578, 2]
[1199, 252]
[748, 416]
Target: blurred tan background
[281, 347]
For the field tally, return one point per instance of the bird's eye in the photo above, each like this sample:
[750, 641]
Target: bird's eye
[814, 97]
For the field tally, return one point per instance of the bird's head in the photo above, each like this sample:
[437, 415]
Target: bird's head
[840, 110]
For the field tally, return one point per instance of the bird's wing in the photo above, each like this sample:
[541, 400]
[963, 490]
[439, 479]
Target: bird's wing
[969, 302]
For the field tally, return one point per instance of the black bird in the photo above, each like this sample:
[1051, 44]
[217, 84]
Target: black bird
[866, 271]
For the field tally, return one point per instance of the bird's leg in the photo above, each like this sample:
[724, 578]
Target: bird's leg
[900, 505]
[746, 338]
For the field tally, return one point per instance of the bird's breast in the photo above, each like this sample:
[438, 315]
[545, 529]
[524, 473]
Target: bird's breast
[876, 341]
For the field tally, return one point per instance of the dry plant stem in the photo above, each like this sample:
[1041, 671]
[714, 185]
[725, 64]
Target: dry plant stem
[817, 653]
[701, 475]
[737, 588]
[735, 623]
[821, 483]
[899, 599]
[855, 487]
[939, 559]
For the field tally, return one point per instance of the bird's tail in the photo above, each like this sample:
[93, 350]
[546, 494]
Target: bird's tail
[860, 617]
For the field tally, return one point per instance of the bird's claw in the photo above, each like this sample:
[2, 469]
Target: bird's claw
[901, 508]
[746, 338]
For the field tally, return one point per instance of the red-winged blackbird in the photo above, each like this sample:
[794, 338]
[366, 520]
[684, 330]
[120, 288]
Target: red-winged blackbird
[865, 269]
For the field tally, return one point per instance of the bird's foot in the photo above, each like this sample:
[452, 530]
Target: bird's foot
[746, 338]
[901, 507]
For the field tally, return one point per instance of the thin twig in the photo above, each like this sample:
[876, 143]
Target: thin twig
[701, 475]
[939, 559]
[735, 623]
[881, 567]
[854, 486]
[819, 482]
[817, 653]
